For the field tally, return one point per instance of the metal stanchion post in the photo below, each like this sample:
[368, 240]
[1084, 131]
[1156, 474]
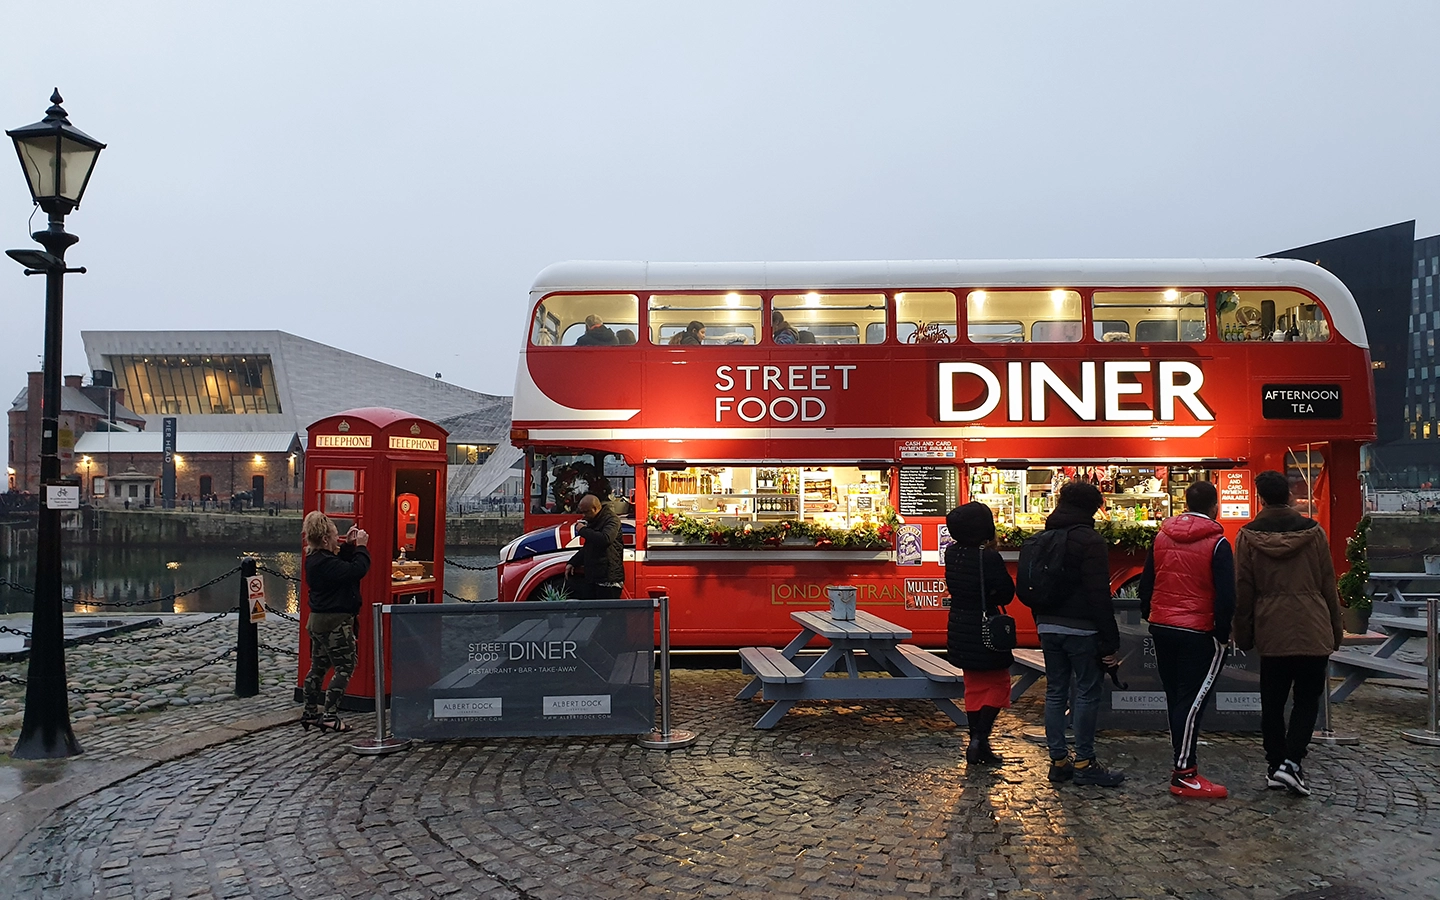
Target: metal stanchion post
[247, 642]
[1324, 734]
[665, 738]
[1430, 736]
[381, 743]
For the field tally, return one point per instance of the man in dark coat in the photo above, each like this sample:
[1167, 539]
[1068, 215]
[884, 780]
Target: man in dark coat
[601, 559]
[597, 334]
[1078, 638]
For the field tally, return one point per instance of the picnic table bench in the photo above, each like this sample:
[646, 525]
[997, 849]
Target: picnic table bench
[1358, 665]
[786, 678]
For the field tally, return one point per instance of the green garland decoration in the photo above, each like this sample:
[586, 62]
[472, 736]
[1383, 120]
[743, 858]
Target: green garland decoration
[879, 535]
[1351, 585]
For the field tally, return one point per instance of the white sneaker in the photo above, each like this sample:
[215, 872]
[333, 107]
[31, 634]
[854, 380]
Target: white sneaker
[1291, 775]
[1273, 783]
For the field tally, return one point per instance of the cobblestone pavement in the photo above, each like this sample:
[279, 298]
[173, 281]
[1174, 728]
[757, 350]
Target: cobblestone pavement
[132, 672]
[837, 801]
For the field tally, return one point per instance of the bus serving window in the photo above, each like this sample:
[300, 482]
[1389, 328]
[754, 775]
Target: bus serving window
[829, 318]
[728, 318]
[1147, 317]
[1284, 316]
[924, 317]
[1051, 316]
[558, 480]
[561, 320]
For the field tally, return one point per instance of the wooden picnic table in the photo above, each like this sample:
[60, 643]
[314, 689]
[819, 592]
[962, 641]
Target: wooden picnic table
[1357, 665]
[788, 679]
[1406, 592]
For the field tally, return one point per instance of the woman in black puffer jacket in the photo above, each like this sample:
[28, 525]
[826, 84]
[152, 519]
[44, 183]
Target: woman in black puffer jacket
[987, 672]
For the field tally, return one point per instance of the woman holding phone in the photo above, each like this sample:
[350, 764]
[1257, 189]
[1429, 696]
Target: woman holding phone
[333, 569]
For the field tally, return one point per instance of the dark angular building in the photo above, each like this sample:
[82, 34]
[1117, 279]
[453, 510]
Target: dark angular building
[1395, 280]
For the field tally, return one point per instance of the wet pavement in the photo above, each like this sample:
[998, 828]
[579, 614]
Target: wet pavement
[839, 800]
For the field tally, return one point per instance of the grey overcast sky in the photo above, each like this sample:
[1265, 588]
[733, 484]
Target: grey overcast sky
[390, 177]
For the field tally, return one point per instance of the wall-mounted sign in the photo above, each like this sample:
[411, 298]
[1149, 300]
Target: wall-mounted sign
[926, 593]
[62, 496]
[255, 592]
[907, 545]
[927, 449]
[398, 442]
[346, 441]
[1237, 493]
[1300, 401]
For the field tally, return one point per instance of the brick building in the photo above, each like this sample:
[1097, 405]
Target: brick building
[83, 409]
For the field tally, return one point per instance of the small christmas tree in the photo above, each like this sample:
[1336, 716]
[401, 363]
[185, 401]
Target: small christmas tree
[1352, 584]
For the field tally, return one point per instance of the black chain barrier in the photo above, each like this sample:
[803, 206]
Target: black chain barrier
[22, 588]
[168, 598]
[168, 679]
[153, 635]
[283, 615]
[274, 649]
[7, 630]
[460, 565]
[278, 574]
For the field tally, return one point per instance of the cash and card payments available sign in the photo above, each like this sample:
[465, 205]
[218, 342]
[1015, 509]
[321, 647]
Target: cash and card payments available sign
[1237, 493]
[518, 669]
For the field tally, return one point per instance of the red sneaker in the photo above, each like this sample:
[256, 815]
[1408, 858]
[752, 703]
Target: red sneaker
[1190, 784]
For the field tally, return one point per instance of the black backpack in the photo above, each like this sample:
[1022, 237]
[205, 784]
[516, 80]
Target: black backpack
[1040, 576]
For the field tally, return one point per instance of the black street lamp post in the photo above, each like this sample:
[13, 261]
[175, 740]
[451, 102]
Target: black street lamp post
[57, 158]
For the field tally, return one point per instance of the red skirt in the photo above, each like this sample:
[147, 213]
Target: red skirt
[987, 687]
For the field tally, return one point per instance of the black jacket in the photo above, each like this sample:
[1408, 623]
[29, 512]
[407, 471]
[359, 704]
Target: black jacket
[334, 579]
[599, 336]
[602, 558]
[965, 647]
[1087, 570]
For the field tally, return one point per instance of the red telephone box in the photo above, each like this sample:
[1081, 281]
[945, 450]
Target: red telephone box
[382, 470]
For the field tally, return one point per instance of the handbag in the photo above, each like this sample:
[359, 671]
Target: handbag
[997, 632]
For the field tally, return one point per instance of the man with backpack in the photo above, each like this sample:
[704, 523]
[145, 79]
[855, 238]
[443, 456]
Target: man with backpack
[1065, 580]
[1187, 594]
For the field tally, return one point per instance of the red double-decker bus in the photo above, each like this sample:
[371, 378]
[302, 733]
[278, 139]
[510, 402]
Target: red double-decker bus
[768, 429]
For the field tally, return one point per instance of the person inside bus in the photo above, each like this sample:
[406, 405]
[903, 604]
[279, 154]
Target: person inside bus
[624, 337]
[692, 336]
[596, 334]
[979, 586]
[805, 337]
[783, 331]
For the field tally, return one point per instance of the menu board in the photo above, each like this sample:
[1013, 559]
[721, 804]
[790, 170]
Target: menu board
[928, 490]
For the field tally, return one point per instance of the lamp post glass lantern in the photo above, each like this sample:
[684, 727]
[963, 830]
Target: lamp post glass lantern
[57, 159]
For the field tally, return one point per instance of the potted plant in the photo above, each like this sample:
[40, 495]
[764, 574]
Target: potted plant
[1352, 585]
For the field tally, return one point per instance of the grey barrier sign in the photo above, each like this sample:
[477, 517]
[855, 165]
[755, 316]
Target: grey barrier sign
[1234, 702]
[460, 670]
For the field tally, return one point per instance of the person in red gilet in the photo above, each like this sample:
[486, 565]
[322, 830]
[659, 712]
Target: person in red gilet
[1187, 593]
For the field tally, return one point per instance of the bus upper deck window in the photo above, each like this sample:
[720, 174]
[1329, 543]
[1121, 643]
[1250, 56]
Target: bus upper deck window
[820, 318]
[1168, 315]
[925, 317]
[722, 319]
[1284, 316]
[596, 320]
[1047, 316]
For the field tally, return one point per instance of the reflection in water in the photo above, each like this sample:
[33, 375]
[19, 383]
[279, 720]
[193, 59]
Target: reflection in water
[128, 575]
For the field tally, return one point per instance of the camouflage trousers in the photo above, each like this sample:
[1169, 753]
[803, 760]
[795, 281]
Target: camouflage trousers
[332, 646]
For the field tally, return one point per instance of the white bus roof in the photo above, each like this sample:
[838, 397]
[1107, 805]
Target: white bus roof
[640, 275]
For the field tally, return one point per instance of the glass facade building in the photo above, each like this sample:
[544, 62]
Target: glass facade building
[197, 384]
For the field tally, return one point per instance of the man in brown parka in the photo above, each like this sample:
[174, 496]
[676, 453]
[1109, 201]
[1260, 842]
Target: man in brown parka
[1288, 611]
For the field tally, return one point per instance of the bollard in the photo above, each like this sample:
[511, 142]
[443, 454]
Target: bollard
[665, 738]
[247, 644]
[380, 743]
[1324, 734]
[1430, 736]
